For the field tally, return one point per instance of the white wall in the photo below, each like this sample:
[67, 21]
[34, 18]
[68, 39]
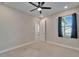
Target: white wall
[15, 27]
[52, 28]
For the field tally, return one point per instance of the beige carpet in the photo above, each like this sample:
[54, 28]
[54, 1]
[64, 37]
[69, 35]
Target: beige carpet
[41, 49]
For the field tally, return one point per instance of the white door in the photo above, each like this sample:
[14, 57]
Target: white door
[37, 29]
[43, 30]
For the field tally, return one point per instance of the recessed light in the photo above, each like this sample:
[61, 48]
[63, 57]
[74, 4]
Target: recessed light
[39, 9]
[65, 7]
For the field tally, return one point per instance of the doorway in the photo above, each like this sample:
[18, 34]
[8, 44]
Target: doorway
[40, 30]
[43, 30]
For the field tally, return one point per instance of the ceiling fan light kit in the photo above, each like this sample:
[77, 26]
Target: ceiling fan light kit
[39, 7]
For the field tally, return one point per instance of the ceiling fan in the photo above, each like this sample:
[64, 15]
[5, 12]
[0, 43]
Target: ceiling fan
[39, 7]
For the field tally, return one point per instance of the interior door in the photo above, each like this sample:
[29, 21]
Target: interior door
[43, 30]
[37, 30]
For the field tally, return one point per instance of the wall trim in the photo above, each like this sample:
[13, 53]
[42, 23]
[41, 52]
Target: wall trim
[12, 48]
[25, 44]
[63, 45]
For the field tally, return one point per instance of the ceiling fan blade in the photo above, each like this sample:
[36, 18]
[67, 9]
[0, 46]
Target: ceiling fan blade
[40, 12]
[38, 3]
[33, 4]
[33, 9]
[46, 7]
[42, 3]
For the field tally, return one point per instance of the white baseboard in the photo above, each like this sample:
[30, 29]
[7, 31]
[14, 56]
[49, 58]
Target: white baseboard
[12, 48]
[25, 44]
[63, 45]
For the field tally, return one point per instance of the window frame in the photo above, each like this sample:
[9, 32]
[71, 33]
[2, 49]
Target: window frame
[64, 33]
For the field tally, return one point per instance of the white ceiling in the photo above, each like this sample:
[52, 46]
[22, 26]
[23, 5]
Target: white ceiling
[56, 7]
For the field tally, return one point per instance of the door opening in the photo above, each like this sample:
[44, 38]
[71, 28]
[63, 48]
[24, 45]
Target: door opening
[40, 30]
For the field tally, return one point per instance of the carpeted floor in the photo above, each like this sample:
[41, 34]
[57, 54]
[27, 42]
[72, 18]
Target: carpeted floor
[41, 49]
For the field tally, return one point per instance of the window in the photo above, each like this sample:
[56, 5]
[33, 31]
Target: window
[67, 26]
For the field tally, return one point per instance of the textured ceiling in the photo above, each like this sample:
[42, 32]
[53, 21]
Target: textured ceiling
[56, 7]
